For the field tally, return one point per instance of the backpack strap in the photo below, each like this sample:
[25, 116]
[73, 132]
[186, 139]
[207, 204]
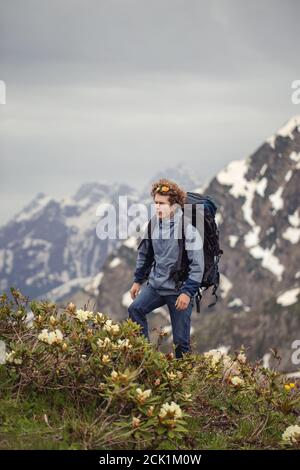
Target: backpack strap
[198, 300]
[214, 293]
[150, 229]
[181, 243]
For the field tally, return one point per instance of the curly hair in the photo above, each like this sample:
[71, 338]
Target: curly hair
[165, 187]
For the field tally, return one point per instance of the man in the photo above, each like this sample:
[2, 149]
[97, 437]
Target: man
[160, 288]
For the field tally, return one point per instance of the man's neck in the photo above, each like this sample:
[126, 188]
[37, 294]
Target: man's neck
[171, 216]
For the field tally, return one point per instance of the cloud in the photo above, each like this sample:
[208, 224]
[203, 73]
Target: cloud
[114, 89]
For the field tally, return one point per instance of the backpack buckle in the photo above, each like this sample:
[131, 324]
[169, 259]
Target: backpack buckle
[198, 300]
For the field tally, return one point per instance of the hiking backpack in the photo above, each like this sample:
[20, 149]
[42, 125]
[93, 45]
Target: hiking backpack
[211, 247]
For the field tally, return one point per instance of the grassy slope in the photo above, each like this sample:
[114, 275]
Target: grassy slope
[221, 417]
[65, 396]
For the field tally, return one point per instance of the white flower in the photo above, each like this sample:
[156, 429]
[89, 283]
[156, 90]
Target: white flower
[107, 325]
[214, 355]
[83, 315]
[18, 361]
[171, 410]
[143, 395]
[51, 337]
[292, 434]
[187, 396]
[135, 422]
[103, 343]
[43, 336]
[171, 375]
[59, 336]
[112, 328]
[105, 359]
[10, 357]
[230, 367]
[98, 317]
[237, 381]
[124, 344]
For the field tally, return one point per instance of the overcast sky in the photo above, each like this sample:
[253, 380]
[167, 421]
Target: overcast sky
[115, 90]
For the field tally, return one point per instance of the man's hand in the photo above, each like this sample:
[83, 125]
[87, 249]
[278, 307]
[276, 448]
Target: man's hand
[135, 290]
[182, 301]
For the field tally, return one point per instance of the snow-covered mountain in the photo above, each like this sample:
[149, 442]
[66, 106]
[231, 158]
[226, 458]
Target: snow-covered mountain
[50, 249]
[259, 222]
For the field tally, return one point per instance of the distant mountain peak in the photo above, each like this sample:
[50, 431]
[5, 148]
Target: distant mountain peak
[91, 190]
[287, 130]
[182, 174]
[34, 207]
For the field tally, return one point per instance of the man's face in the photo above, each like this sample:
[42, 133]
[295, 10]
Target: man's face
[162, 206]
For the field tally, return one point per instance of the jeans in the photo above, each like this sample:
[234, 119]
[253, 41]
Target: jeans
[147, 300]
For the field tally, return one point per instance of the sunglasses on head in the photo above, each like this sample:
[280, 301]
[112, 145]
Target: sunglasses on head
[163, 188]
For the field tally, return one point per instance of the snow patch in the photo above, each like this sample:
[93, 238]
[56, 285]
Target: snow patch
[115, 262]
[219, 218]
[271, 141]
[237, 302]
[126, 299]
[269, 261]
[288, 176]
[225, 285]
[285, 131]
[233, 240]
[251, 238]
[276, 200]
[33, 208]
[295, 157]
[234, 175]
[266, 360]
[288, 128]
[131, 243]
[261, 187]
[294, 219]
[6, 260]
[289, 297]
[263, 169]
[292, 234]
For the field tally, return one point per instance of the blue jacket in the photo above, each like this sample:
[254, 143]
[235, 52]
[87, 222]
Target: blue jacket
[166, 250]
